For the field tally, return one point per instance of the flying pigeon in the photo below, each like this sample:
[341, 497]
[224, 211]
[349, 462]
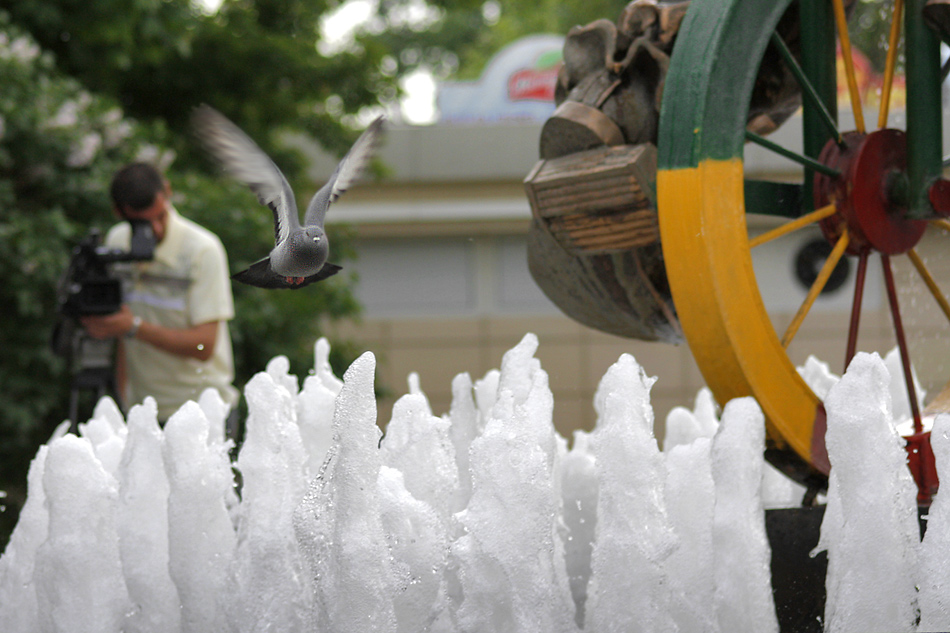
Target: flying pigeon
[299, 256]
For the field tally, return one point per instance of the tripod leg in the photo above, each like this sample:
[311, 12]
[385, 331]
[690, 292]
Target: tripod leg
[74, 410]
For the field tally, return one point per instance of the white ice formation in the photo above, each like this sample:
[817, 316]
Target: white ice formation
[480, 519]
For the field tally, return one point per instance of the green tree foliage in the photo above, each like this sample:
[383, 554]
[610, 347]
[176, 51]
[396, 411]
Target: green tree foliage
[59, 146]
[255, 60]
[458, 37]
[869, 25]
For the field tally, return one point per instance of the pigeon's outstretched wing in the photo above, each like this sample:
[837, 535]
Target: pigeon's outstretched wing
[245, 161]
[348, 172]
[261, 274]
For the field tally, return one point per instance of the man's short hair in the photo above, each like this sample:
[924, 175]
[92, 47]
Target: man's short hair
[135, 186]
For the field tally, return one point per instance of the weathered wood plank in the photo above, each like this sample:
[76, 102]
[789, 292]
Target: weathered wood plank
[608, 231]
[570, 189]
[581, 225]
[600, 200]
[609, 206]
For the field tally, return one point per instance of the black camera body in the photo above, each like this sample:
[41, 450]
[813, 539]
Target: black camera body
[89, 286]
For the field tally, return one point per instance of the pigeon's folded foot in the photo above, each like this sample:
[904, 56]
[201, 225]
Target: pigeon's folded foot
[294, 281]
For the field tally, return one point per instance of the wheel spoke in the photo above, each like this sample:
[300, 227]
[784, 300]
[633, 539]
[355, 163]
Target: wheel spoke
[856, 308]
[941, 224]
[901, 341]
[889, 65]
[807, 88]
[816, 288]
[842, 23]
[810, 163]
[930, 282]
[794, 225]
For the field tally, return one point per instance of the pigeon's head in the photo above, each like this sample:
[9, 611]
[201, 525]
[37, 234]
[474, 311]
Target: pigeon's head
[315, 234]
[312, 244]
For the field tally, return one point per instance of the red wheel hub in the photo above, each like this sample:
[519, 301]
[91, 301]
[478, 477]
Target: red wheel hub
[870, 193]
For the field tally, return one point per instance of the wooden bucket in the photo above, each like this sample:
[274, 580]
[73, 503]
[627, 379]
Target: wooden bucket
[594, 243]
[597, 201]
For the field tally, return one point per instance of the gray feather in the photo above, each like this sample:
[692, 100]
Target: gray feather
[299, 256]
[245, 161]
[347, 172]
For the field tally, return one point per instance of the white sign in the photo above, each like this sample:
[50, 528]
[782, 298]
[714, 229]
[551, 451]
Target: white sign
[517, 85]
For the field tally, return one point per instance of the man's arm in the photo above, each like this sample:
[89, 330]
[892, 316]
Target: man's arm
[193, 342]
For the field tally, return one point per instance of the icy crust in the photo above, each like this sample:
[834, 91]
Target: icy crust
[78, 571]
[201, 535]
[19, 558]
[934, 596]
[339, 523]
[633, 530]
[743, 594]
[142, 515]
[479, 519]
[870, 528]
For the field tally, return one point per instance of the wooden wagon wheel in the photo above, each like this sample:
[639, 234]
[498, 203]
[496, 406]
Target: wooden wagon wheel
[872, 193]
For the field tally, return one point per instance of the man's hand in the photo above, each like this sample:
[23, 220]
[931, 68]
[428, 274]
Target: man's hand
[109, 325]
[196, 341]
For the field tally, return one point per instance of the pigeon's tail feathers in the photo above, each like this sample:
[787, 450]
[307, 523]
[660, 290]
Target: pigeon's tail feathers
[245, 161]
[261, 274]
[328, 270]
[354, 164]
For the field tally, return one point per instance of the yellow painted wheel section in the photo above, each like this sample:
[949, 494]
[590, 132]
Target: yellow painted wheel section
[709, 266]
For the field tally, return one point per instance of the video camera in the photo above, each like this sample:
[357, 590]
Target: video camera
[89, 286]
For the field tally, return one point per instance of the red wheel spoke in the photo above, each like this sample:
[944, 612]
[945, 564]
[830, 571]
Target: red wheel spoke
[856, 308]
[901, 341]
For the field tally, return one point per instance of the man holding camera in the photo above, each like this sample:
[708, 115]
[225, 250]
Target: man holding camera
[172, 328]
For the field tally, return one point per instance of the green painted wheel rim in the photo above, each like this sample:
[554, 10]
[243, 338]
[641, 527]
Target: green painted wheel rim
[712, 72]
